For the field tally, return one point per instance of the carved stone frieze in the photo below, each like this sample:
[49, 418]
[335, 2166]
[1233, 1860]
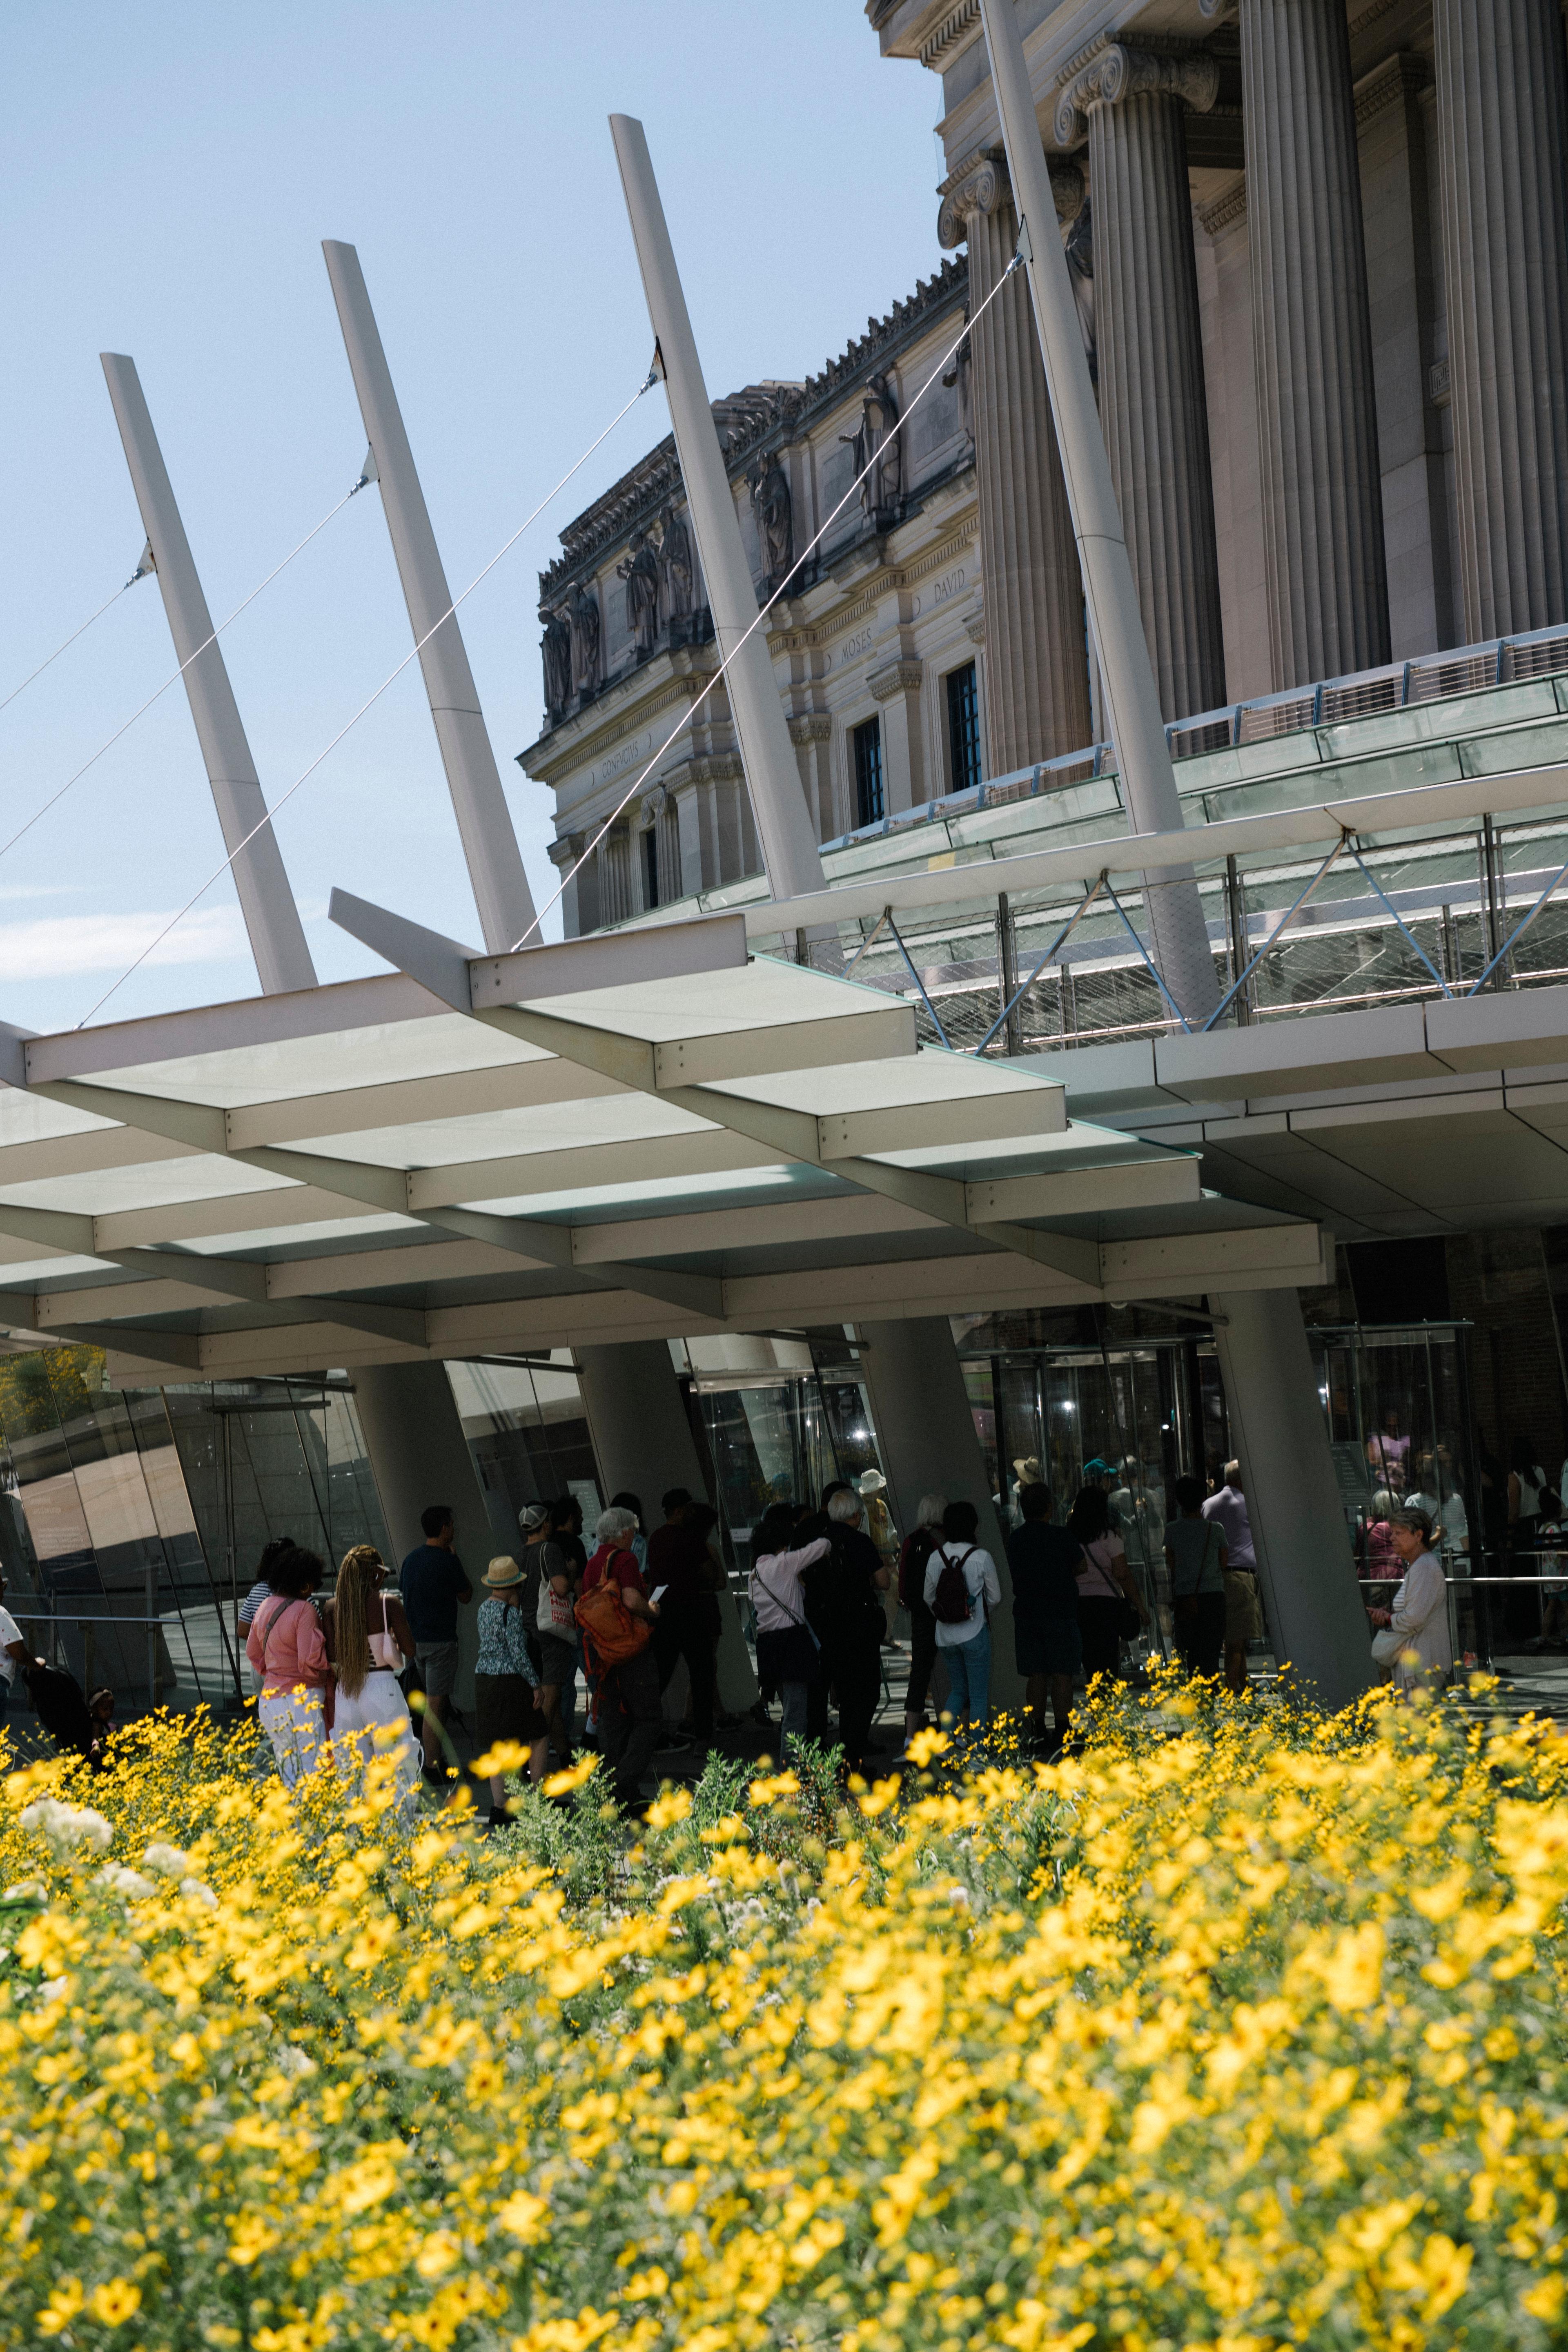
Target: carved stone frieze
[1118, 72]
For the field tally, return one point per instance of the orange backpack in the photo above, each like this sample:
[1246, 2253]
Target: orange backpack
[614, 1632]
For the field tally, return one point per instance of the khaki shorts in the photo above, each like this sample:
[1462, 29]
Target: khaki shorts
[1242, 1611]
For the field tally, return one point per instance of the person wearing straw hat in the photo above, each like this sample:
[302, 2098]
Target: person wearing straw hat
[506, 1686]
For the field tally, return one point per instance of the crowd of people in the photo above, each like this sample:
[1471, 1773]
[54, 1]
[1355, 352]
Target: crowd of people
[373, 1670]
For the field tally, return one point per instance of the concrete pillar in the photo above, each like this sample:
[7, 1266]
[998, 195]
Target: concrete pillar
[636, 1419]
[1502, 133]
[1035, 677]
[419, 1455]
[1323, 500]
[271, 918]
[1305, 1562]
[1149, 342]
[925, 1429]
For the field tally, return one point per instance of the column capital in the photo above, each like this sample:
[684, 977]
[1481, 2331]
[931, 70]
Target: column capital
[810, 727]
[978, 186]
[1116, 71]
[980, 183]
[565, 850]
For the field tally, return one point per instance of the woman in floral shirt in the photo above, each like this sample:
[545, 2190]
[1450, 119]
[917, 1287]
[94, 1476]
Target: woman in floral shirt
[506, 1688]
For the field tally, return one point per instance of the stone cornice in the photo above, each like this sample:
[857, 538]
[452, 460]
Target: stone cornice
[1113, 70]
[763, 415]
[956, 30]
[870, 594]
[810, 727]
[1229, 205]
[1399, 77]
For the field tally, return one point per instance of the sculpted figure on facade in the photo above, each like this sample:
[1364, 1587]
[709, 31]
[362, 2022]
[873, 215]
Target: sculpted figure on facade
[556, 650]
[583, 612]
[878, 452]
[640, 572]
[675, 554]
[773, 509]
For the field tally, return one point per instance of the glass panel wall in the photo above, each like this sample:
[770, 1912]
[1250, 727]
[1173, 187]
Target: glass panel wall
[528, 1434]
[131, 1520]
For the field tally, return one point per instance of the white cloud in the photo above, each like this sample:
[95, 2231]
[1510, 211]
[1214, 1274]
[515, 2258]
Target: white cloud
[56, 947]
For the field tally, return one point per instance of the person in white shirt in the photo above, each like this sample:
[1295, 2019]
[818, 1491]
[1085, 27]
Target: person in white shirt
[1445, 1510]
[788, 1653]
[1419, 1617]
[15, 1655]
[965, 1641]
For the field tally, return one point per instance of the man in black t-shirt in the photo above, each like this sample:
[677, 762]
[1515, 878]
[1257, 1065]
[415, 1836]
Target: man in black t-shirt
[434, 1587]
[1047, 1563]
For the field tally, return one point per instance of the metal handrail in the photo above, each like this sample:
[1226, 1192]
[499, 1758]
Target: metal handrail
[1466, 661]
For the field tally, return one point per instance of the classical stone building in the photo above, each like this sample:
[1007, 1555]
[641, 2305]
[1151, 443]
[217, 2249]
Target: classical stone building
[876, 642]
[1328, 247]
[1321, 252]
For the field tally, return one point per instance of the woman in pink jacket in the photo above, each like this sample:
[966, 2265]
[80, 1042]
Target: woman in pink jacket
[289, 1650]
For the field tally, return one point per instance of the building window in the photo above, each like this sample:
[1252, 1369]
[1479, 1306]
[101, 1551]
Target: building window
[963, 729]
[866, 741]
[650, 866]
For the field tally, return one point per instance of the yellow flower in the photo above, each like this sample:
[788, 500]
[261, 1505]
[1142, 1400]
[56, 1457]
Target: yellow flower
[524, 2215]
[576, 1776]
[116, 2301]
[506, 1756]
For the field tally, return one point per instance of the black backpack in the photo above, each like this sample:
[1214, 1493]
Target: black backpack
[952, 1600]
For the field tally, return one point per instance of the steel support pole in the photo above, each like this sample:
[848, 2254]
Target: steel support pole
[267, 902]
[1144, 758]
[484, 821]
[778, 803]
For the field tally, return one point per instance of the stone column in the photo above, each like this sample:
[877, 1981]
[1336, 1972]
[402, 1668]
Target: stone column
[1323, 500]
[1149, 343]
[1035, 675]
[1502, 133]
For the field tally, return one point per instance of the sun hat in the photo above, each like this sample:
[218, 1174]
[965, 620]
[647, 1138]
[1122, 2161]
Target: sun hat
[502, 1571]
[1027, 1466]
[871, 1482]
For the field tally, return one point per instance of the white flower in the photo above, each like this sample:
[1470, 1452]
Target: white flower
[291, 2060]
[27, 1890]
[54, 1988]
[167, 1861]
[63, 1826]
[129, 1882]
[199, 1891]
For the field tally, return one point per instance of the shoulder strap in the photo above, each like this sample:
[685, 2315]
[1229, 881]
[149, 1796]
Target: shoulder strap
[285, 1604]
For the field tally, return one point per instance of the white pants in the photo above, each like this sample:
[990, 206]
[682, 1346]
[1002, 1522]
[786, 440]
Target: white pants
[378, 1706]
[294, 1721]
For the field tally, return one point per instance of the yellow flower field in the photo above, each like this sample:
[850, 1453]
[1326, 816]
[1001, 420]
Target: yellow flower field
[1241, 2029]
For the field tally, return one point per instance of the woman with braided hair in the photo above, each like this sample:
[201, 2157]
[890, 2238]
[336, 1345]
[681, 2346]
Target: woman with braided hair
[369, 1643]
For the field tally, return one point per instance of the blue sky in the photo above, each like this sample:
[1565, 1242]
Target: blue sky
[173, 171]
